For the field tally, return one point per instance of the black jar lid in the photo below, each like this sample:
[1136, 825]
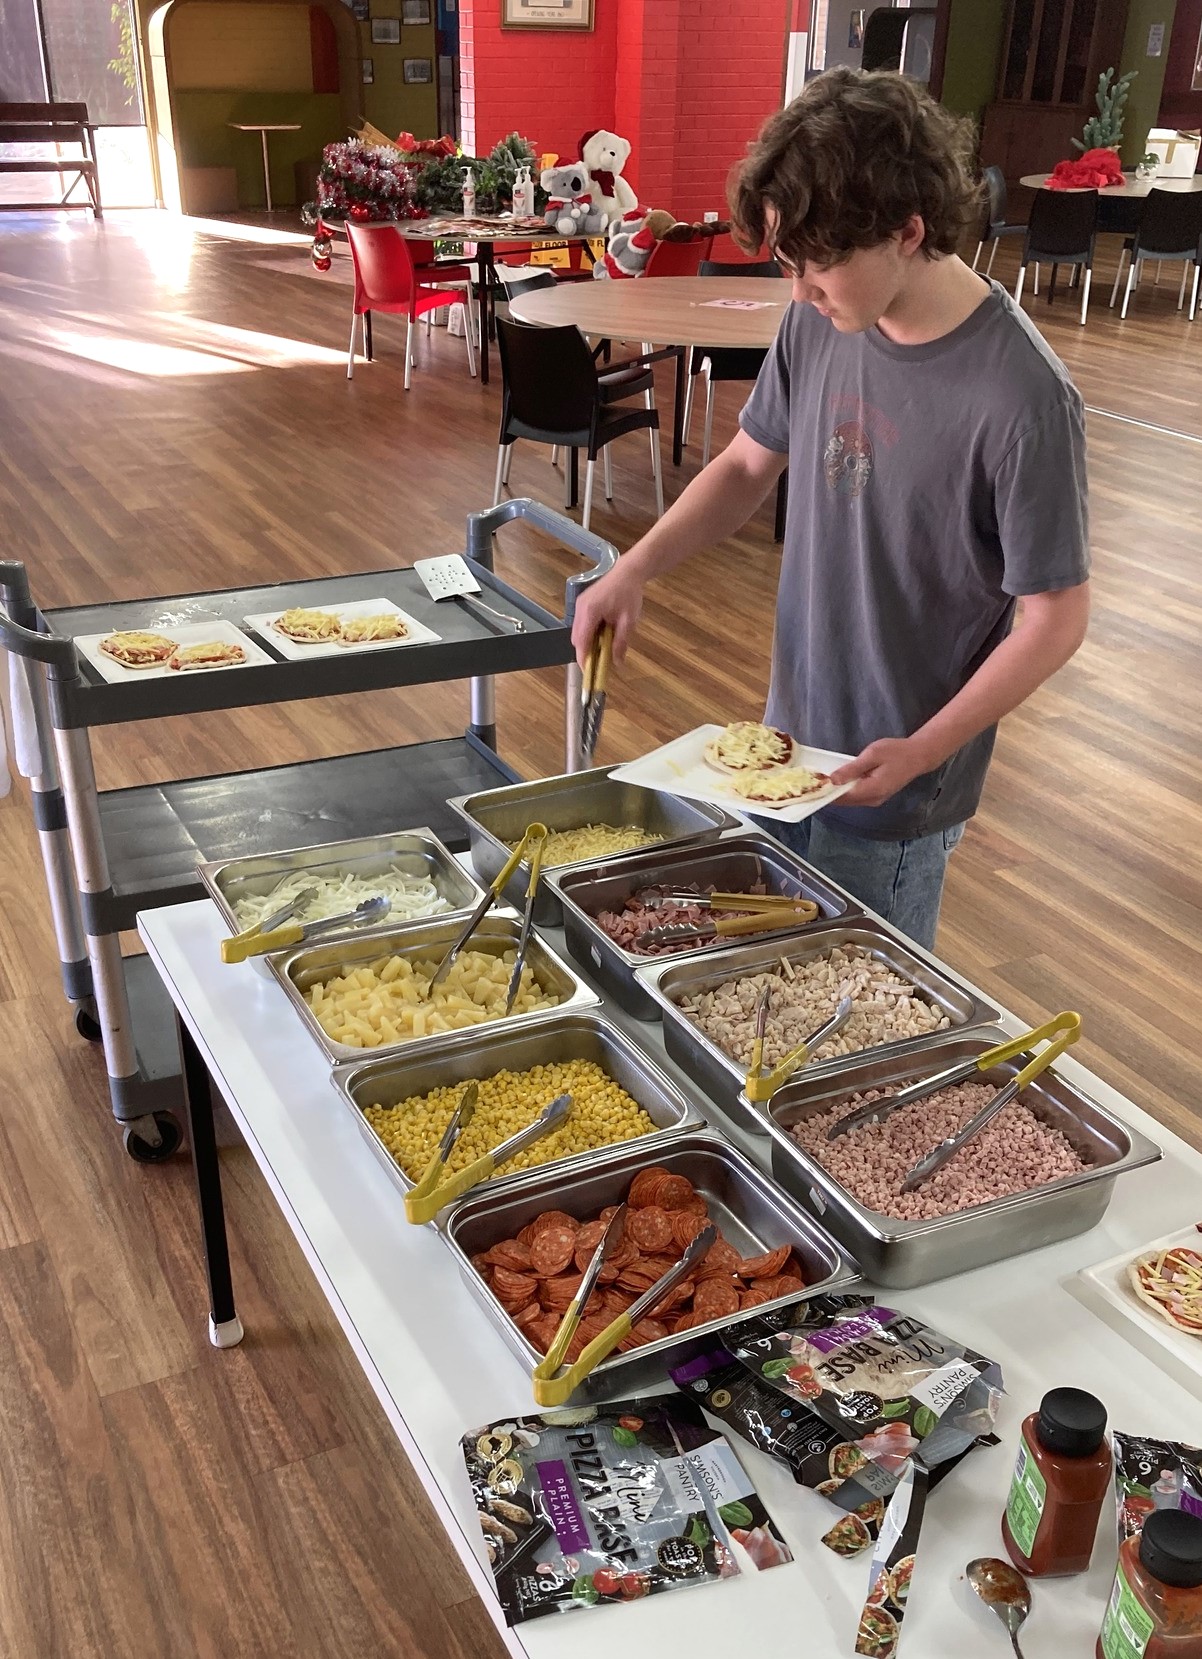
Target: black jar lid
[1071, 1422]
[1170, 1547]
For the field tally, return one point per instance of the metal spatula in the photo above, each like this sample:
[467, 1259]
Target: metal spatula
[451, 578]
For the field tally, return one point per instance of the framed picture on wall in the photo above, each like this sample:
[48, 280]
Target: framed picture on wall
[386, 31]
[369, 72]
[415, 11]
[419, 72]
[546, 14]
[360, 10]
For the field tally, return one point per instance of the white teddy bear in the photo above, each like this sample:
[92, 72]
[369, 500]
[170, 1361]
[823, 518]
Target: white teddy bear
[605, 155]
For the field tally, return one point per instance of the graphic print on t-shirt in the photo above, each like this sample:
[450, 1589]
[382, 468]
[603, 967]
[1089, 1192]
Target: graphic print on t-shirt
[848, 459]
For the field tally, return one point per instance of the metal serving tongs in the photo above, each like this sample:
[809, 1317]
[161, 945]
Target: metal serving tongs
[423, 1202]
[536, 840]
[271, 935]
[534, 832]
[729, 927]
[876, 1111]
[553, 1390]
[761, 1085]
[656, 898]
[1068, 1027]
[592, 692]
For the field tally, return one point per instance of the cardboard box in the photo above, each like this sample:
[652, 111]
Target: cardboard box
[1178, 152]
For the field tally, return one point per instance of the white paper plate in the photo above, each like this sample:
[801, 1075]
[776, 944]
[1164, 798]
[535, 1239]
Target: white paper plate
[191, 633]
[681, 768]
[1106, 1291]
[418, 633]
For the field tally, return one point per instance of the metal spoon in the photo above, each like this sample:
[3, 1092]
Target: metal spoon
[1004, 1589]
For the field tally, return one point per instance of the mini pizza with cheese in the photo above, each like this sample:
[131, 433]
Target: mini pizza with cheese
[138, 649]
[363, 630]
[308, 627]
[1170, 1281]
[214, 653]
[748, 746]
[780, 785]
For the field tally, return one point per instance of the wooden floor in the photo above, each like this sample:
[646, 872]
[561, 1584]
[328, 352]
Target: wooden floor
[174, 414]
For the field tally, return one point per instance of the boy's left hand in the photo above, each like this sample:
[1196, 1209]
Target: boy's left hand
[881, 770]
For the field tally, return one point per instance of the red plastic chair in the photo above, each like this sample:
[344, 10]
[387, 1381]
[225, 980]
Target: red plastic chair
[388, 278]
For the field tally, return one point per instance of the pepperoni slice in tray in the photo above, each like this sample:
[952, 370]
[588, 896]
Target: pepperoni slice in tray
[647, 1330]
[766, 1266]
[650, 1228]
[686, 1224]
[675, 1193]
[554, 1218]
[716, 1299]
[529, 1316]
[509, 1253]
[514, 1287]
[643, 1187]
[720, 1260]
[552, 1250]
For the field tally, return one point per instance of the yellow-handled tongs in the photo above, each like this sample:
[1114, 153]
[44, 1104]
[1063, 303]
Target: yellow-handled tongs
[277, 933]
[761, 1085]
[1056, 1033]
[553, 1390]
[536, 835]
[593, 687]
[432, 1193]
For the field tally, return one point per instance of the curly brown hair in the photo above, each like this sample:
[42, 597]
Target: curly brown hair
[847, 163]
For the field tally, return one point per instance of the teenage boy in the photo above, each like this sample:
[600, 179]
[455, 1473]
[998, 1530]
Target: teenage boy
[936, 456]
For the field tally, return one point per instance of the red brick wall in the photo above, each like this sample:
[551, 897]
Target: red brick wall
[550, 85]
[688, 82]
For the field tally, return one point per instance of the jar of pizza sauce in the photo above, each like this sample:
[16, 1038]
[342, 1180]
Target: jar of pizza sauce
[1155, 1608]
[1061, 1478]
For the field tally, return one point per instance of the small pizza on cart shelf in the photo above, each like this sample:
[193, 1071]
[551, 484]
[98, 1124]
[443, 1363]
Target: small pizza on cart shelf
[213, 653]
[748, 746]
[1170, 1281]
[308, 627]
[781, 786]
[364, 630]
[137, 649]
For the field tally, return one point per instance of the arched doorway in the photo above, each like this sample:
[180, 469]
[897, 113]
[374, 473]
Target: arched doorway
[214, 62]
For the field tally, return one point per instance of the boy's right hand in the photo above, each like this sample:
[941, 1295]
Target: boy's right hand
[616, 599]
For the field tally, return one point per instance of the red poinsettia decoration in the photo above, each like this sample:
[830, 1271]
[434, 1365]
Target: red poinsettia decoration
[1094, 170]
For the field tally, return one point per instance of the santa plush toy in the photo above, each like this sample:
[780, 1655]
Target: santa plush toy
[605, 155]
[631, 240]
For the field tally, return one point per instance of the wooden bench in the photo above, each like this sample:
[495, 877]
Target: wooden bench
[51, 124]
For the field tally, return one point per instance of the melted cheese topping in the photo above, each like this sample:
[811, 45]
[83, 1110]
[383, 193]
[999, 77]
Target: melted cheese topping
[311, 625]
[361, 628]
[748, 743]
[212, 652]
[138, 646]
[784, 783]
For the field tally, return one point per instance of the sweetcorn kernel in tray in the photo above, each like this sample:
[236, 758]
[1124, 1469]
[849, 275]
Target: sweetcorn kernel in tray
[602, 1114]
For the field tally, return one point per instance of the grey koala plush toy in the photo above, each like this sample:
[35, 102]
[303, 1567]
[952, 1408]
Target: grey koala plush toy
[570, 209]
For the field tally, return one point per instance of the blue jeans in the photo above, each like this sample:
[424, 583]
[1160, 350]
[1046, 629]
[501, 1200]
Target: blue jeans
[901, 880]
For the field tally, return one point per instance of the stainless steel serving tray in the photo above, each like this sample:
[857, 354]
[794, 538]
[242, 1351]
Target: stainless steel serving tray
[495, 816]
[416, 852]
[723, 1078]
[298, 970]
[731, 865]
[752, 1212]
[905, 1253]
[489, 1049]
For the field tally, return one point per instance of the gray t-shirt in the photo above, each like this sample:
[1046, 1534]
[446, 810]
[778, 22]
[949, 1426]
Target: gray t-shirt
[928, 487]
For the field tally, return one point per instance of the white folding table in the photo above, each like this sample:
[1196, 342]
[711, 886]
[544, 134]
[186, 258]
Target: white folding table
[439, 1369]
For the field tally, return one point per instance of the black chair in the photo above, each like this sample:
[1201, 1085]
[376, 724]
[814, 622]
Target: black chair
[995, 226]
[1170, 227]
[719, 363]
[1061, 231]
[555, 394]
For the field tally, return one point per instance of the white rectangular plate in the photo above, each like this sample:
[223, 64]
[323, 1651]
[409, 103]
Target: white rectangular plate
[418, 633]
[681, 768]
[1105, 1290]
[191, 633]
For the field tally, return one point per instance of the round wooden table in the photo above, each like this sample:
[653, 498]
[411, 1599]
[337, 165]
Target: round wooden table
[677, 312]
[1130, 189]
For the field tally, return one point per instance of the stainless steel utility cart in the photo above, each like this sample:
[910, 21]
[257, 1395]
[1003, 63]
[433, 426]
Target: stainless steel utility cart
[109, 855]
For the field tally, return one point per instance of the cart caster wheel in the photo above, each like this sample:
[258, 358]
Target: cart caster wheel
[88, 1025]
[142, 1152]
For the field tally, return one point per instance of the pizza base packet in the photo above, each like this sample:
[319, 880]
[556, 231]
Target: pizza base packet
[893, 1566]
[1151, 1475]
[611, 1503]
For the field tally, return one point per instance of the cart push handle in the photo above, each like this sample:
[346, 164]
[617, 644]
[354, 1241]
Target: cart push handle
[23, 641]
[482, 527]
